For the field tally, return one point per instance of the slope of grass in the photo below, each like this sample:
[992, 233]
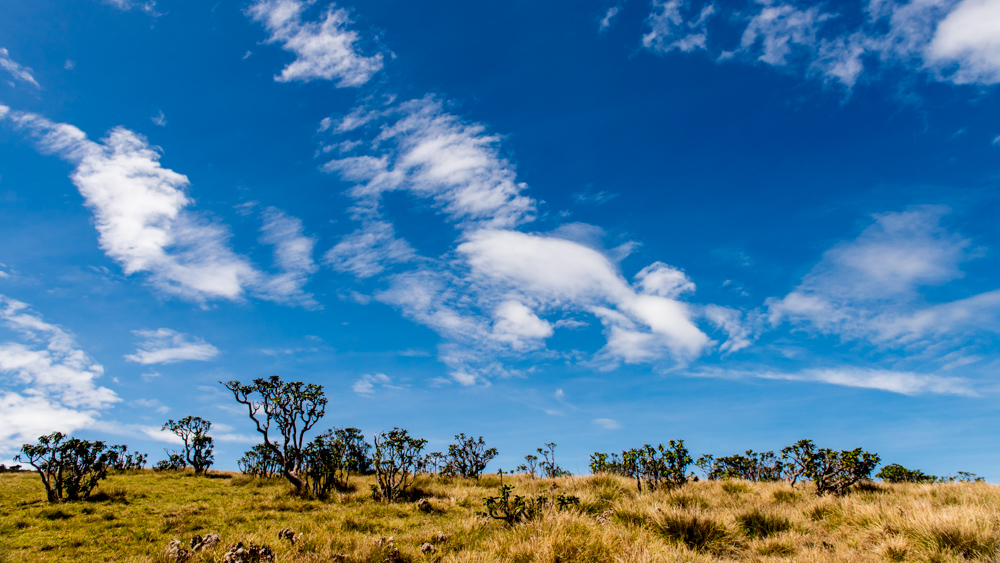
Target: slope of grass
[136, 515]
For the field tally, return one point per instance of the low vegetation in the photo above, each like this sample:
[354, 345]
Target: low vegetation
[339, 498]
[133, 516]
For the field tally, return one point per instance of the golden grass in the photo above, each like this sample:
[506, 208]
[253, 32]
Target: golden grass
[137, 514]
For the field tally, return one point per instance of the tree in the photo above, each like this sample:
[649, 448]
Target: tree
[259, 461]
[292, 408]
[70, 469]
[193, 430]
[396, 459]
[896, 473]
[468, 457]
[831, 471]
[548, 464]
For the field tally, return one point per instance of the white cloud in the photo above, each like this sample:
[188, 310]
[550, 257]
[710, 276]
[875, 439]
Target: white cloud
[607, 423]
[670, 30]
[870, 287]
[369, 250]
[780, 28]
[902, 382]
[323, 49]
[966, 44]
[368, 384]
[45, 388]
[519, 326]
[17, 71]
[955, 41]
[433, 154]
[730, 321]
[292, 256]
[148, 6]
[488, 297]
[165, 346]
[159, 119]
[608, 18]
[151, 404]
[144, 221]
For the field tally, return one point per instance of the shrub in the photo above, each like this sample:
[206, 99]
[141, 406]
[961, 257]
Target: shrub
[174, 462]
[548, 464]
[396, 460]
[330, 457]
[70, 469]
[530, 466]
[468, 457]
[510, 509]
[259, 461]
[751, 466]
[193, 430]
[896, 473]
[293, 408]
[831, 471]
[128, 461]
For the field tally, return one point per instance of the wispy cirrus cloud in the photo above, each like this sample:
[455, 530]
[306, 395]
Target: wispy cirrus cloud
[165, 346]
[20, 73]
[324, 49]
[145, 221]
[45, 387]
[947, 40]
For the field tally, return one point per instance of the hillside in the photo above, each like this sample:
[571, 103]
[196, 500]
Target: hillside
[134, 517]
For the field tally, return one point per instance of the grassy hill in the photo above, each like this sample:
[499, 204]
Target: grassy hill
[134, 516]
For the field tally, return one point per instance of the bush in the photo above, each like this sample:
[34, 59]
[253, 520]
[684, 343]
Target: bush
[751, 466]
[329, 459]
[174, 462]
[396, 460]
[70, 469]
[193, 430]
[259, 461]
[548, 464]
[896, 473]
[831, 471]
[468, 457]
[128, 461]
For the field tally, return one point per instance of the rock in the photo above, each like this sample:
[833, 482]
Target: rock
[249, 553]
[605, 517]
[383, 542]
[441, 537]
[428, 548]
[176, 552]
[288, 534]
[199, 543]
[424, 505]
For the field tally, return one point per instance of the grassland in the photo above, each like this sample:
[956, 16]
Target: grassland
[136, 515]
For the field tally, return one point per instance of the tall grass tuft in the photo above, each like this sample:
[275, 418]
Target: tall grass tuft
[757, 523]
[697, 531]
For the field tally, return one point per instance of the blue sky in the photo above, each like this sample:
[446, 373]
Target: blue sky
[592, 223]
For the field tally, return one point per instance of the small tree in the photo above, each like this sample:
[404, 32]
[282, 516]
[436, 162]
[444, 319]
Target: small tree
[433, 461]
[468, 457]
[325, 464]
[292, 408]
[396, 458]
[548, 464]
[530, 465]
[751, 466]
[193, 430]
[830, 470]
[128, 461]
[70, 469]
[357, 452]
[259, 461]
[896, 473]
[174, 462]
